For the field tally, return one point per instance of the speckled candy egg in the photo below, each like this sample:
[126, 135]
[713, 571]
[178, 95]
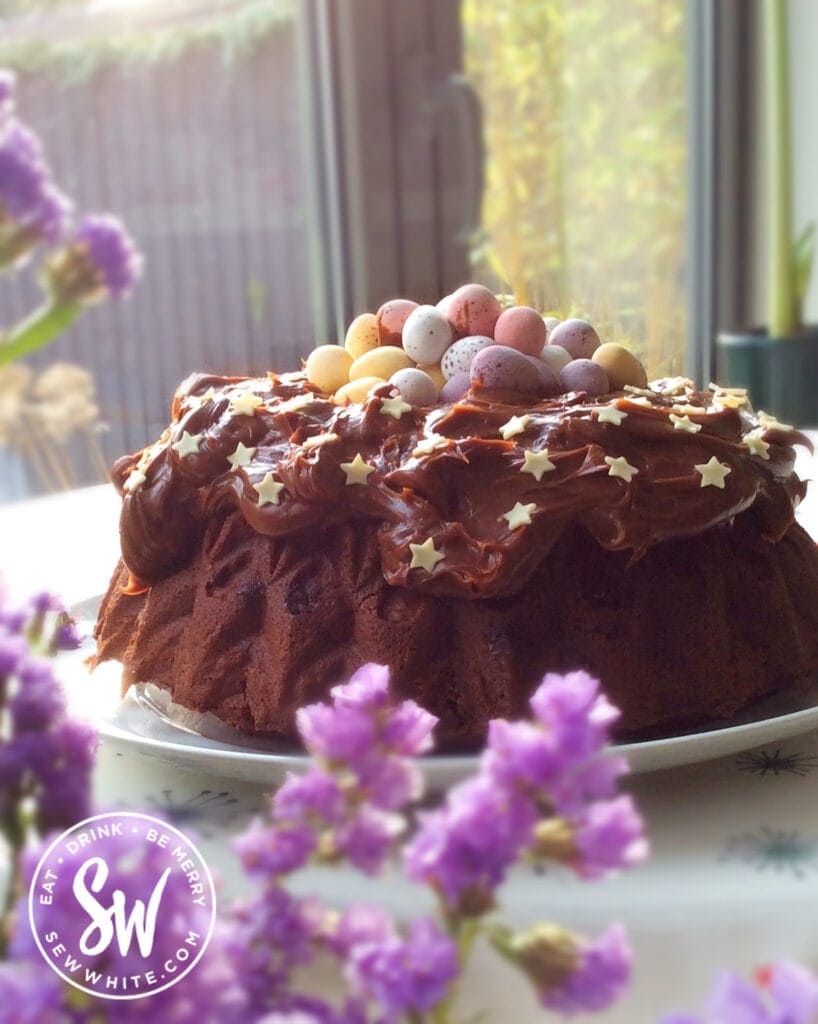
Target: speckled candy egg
[577, 337]
[473, 310]
[444, 304]
[380, 362]
[621, 366]
[328, 367]
[426, 335]
[390, 319]
[362, 335]
[521, 328]
[500, 368]
[458, 357]
[585, 375]
[454, 389]
[417, 387]
[556, 357]
[549, 378]
[357, 390]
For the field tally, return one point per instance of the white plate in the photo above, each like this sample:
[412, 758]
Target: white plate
[147, 723]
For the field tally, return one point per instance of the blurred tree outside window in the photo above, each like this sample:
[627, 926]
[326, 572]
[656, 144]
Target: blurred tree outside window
[584, 128]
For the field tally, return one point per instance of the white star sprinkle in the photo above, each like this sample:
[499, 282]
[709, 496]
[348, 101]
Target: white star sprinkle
[519, 516]
[395, 407]
[208, 396]
[771, 423]
[684, 423]
[294, 404]
[633, 390]
[425, 556]
[357, 471]
[757, 445]
[537, 463]
[430, 444]
[621, 467]
[516, 425]
[134, 481]
[268, 490]
[245, 403]
[188, 444]
[318, 441]
[741, 392]
[241, 456]
[640, 400]
[697, 410]
[610, 414]
[728, 401]
[671, 385]
[712, 473]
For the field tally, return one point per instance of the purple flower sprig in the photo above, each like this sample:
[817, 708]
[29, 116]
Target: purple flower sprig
[785, 993]
[45, 756]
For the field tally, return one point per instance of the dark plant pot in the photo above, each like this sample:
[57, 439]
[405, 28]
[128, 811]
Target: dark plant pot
[780, 374]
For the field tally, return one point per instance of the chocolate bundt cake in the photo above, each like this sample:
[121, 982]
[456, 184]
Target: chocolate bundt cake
[274, 539]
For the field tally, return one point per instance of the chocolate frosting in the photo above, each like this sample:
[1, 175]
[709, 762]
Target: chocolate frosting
[456, 494]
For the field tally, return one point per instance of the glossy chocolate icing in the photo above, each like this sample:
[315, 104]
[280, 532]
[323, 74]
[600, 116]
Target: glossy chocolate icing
[458, 493]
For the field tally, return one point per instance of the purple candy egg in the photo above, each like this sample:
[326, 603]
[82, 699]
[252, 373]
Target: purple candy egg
[549, 378]
[499, 368]
[585, 375]
[577, 337]
[454, 389]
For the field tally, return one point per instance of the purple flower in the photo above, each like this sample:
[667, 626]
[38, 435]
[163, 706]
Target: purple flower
[315, 796]
[465, 849]
[360, 924]
[600, 976]
[366, 839]
[13, 648]
[31, 993]
[62, 762]
[274, 851]
[609, 837]
[406, 974]
[792, 993]
[29, 199]
[38, 699]
[573, 708]
[110, 251]
[8, 83]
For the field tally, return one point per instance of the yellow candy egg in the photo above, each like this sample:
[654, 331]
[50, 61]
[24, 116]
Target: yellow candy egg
[380, 362]
[621, 366]
[434, 371]
[357, 390]
[362, 335]
[328, 367]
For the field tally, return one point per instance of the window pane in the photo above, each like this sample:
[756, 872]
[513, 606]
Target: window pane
[583, 107]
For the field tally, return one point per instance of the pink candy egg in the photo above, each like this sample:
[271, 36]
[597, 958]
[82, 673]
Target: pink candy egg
[416, 387]
[390, 319]
[585, 375]
[521, 328]
[550, 323]
[458, 357]
[473, 309]
[577, 337]
[499, 368]
[454, 389]
[426, 335]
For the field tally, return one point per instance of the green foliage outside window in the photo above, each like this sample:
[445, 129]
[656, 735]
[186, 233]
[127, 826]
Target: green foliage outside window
[584, 125]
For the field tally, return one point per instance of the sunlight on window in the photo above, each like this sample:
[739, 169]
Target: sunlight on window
[584, 127]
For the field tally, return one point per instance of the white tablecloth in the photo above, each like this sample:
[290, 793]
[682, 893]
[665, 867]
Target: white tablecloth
[734, 876]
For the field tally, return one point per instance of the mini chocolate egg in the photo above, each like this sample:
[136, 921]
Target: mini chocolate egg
[549, 378]
[416, 387]
[357, 390]
[473, 310]
[434, 371]
[621, 366]
[380, 362]
[555, 356]
[550, 323]
[328, 367]
[362, 335]
[454, 389]
[458, 356]
[500, 368]
[577, 337]
[521, 328]
[443, 305]
[390, 319]
[426, 335]
[584, 375]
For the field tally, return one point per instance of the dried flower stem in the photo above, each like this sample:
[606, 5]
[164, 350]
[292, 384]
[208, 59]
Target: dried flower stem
[37, 330]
